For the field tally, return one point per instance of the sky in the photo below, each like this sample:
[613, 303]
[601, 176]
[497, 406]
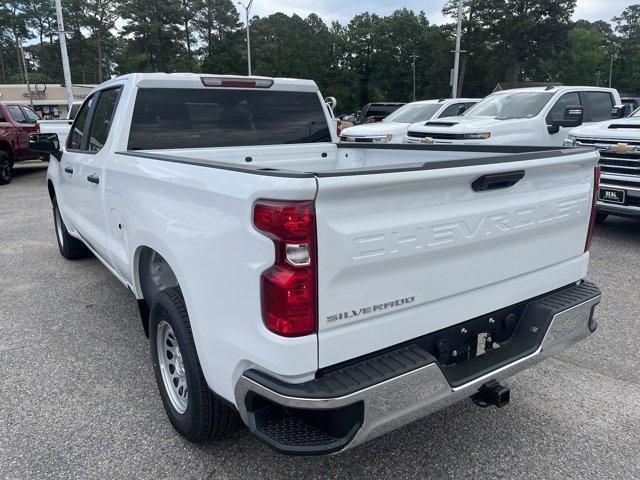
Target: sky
[344, 10]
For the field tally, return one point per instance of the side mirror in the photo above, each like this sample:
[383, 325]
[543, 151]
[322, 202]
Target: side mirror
[619, 111]
[572, 118]
[461, 110]
[45, 143]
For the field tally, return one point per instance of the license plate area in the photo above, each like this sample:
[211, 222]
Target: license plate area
[612, 195]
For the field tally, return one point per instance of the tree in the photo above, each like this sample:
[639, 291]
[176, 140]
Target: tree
[154, 29]
[627, 70]
[100, 17]
[524, 32]
[217, 23]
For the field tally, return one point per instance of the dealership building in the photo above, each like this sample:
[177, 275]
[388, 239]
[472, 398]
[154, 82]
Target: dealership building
[49, 100]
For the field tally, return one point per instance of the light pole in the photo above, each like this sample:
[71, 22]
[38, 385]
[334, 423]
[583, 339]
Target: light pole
[611, 70]
[456, 61]
[26, 74]
[414, 76]
[63, 53]
[247, 8]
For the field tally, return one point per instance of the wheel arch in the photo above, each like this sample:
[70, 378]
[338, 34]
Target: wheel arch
[6, 147]
[152, 273]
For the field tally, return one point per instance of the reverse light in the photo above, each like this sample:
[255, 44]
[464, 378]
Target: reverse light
[477, 136]
[237, 82]
[288, 288]
[594, 208]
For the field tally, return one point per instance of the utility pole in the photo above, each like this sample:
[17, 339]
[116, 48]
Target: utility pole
[611, 70]
[414, 76]
[247, 8]
[456, 61]
[62, 36]
[26, 75]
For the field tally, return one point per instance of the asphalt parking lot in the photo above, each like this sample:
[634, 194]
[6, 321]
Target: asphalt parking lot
[78, 397]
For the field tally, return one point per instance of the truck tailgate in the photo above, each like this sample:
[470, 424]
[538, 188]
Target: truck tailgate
[404, 254]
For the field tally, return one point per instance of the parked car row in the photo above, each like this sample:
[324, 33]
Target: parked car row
[550, 116]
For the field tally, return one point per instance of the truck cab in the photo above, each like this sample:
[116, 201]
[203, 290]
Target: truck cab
[16, 123]
[540, 116]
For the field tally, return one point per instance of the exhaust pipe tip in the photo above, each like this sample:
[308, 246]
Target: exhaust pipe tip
[492, 393]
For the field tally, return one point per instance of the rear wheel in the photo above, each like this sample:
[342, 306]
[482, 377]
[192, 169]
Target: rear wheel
[70, 247]
[193, 410]
[6, 168]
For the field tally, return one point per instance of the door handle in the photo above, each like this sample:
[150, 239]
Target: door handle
[68, 169]
[93, 179]
[496, 181]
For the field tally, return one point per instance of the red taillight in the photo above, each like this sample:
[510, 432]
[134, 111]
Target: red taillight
[288, 288]
[339, 127]
[594, 207]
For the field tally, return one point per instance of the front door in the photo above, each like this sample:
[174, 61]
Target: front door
[557, 113]
[88, 157]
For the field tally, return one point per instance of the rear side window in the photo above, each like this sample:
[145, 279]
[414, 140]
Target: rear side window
[2, 119]
[599, 105]
[16, 113]
[197, 118]
[102, 118]
[74, 141]
[451, 110]
[567, 100]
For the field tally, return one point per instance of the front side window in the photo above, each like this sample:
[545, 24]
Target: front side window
[30, 115]
[451, 110]
[102, 118]
[567, 100]
[16, 113]
[74, 141]
[599, 106]
[166, 118]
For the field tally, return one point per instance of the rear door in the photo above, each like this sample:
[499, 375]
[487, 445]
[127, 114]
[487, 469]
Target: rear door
[405, 254]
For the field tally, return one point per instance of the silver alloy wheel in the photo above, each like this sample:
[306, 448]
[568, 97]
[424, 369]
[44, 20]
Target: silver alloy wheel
[174, 374]
[59, 232]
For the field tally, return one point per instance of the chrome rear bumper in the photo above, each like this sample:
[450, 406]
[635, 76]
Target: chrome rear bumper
[398, 401]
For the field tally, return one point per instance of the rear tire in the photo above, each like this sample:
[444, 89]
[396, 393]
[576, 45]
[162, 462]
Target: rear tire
[601, 217]
[193, 410]
[6, 168]
[70, 247]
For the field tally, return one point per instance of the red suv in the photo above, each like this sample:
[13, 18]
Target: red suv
[16, 123]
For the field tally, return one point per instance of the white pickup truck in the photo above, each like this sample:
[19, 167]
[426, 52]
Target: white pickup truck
[328, 293]
[539, 116]
[618, 142]
[60, 126]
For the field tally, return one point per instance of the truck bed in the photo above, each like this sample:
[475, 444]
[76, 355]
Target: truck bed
[323, 160]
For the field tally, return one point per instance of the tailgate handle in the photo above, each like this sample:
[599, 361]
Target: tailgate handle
[496, 181]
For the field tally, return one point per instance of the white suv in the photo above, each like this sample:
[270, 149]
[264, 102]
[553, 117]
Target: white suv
[525, 116]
